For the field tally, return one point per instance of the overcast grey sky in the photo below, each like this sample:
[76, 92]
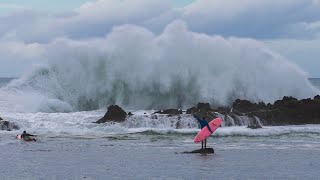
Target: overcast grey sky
[289, 27]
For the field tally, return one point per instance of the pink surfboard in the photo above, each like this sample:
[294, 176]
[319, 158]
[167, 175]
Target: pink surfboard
[205, 132]
[29, 139]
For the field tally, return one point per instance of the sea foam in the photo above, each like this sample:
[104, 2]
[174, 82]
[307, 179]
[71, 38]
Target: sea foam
[138, 69]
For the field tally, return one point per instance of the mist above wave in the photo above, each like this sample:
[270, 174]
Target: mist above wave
[137, 69]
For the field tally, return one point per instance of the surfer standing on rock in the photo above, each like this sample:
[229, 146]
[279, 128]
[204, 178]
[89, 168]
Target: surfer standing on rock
[203, 123]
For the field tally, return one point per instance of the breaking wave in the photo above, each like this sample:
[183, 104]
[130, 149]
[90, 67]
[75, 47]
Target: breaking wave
[137, 69]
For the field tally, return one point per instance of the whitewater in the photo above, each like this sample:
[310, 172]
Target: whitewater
[60, 98]
[138, 69]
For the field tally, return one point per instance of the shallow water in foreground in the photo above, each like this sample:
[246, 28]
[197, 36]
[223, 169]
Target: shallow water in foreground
[156, 156]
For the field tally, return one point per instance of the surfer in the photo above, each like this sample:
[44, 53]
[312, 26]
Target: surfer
[27, 137]
[203, 123]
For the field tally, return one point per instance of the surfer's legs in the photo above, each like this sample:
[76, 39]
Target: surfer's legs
[201, 144]
[205, 143]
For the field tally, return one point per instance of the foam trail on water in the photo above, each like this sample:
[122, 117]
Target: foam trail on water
[80, 124]
[137, 69]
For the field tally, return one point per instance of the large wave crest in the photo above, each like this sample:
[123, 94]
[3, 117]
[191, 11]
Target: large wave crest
[137, 69]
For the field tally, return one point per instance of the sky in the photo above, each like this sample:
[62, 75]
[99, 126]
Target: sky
[10, 6]
[288, 27]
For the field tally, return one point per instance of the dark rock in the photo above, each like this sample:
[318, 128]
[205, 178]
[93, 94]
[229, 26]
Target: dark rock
[293, 111]
[254, 126]
[288, 101]
[245, 106]
[130, 114]
[288, 111]
[191, 110]
[178, 124]
[170, 111]
[223, 110]
[7, 126]
[202, 108]
[114, 114]
[200, 151]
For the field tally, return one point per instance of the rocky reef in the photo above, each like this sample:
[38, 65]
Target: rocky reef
[287, 111]
[114, 114]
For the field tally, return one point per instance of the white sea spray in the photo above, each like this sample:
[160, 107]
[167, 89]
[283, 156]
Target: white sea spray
[137, 69]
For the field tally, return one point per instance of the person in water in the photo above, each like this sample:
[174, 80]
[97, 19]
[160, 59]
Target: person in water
[27, 137]
[203, 123]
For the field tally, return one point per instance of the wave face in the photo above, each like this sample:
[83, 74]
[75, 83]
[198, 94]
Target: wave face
[137, 69]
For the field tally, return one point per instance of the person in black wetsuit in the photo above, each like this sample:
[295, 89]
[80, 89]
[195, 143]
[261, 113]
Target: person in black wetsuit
[27, 137]
[203, 123]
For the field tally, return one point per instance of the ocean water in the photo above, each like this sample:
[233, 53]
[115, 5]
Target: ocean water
[70, 146]
[146, 146]
[158, 156]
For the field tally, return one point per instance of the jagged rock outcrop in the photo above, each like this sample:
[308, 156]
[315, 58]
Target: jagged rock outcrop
[287, 111]
[201, 108]
[244, 106]
[114, 114]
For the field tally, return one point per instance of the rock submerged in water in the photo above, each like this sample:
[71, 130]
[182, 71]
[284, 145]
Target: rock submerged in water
[114, 114]
[254, 126]
[200, 151]
[7, 126]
